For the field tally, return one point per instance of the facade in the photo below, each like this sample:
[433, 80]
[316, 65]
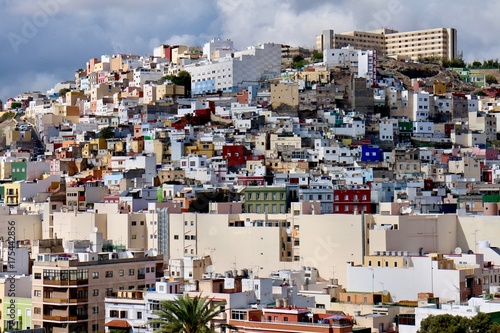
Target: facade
[69, 289]
[267, 199]
[237, 70]
[352, 199]
[439, 43]
[286, 319]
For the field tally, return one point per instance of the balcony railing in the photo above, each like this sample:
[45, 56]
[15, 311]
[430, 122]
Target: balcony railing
[64, 300]
[65, 317]
[65, 282]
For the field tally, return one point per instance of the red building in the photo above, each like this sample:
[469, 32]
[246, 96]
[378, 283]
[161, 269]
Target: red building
[288, 320]
[351, 199]
[236, 155]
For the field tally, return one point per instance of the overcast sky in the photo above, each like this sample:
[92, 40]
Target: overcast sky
[45, 41]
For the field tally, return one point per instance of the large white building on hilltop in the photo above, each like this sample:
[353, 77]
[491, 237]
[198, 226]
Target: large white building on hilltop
[236, 70]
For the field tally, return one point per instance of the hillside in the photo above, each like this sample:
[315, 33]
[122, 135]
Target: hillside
[429, 73]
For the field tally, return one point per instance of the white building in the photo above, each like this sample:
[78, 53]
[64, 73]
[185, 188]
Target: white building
[236, 70]
[218, 48]
[421, 106]
[423, 129]
[142, 75]
[386, 129]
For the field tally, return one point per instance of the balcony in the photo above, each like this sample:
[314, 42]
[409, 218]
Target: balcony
[65, 282]
[64, 300]
[65, 318]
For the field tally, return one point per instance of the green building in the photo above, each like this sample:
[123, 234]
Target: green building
[18, 307]
[265, 199]
[19, 171]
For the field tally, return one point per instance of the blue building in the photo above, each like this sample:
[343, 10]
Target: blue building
[371, 153]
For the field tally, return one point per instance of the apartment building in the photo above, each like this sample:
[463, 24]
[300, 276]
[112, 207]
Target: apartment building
[236, 70]
[69, 289]
[437, 42]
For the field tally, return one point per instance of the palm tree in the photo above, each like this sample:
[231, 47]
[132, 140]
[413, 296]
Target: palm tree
[186, 315]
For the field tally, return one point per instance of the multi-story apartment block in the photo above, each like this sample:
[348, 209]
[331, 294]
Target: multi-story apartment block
[267, 199]
[438, 43]
[69, 289]
[352, 199]
[237, 70]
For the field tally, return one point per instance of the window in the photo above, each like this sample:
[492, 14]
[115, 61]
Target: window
[131, 272]
[95, 309]
[95, 275]
[38, 276]
[37, 310]
[139, 315]
[95, 327]
[95, 292]
[134, 223]
[109, 274]
[176, 236]
[37, 293]
[121, 272]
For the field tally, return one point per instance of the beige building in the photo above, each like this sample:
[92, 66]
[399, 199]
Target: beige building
[69, 289]
[286, 93]
[467, 166]
[284, 142]
[438, 42]
[266, 242]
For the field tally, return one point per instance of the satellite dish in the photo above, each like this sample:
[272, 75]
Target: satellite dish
[399, 201]
[94, 229]
[458, 250]
[210, 269]
[385, 292]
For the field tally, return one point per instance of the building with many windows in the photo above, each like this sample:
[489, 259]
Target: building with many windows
[236, 70]
[69, 289]
[265, 199]
[437, 43]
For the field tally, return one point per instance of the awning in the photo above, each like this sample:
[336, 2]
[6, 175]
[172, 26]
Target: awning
[118, 323]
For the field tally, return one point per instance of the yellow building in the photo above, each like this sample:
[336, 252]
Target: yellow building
[439, 88]
[200, 148]
[169, 90]
[12, 193]
[74, 96]
[93, 146]
[17, 135]
[286, 93]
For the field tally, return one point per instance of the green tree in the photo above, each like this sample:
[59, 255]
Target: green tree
[107, 133]
[63, 91]
[186, 315]
[444, 324]
[494, 328]
[447, 323]
[480, 323]
[297, 58]
[318, 56]
[490, 79]
[476, 63]
[183, 78]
